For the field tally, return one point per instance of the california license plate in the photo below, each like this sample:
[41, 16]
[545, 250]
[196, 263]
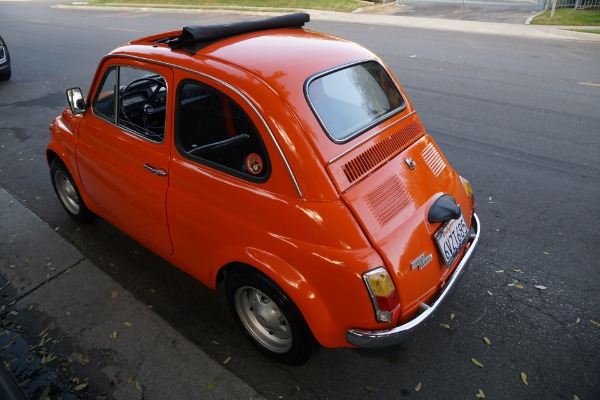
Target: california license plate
[451, 238]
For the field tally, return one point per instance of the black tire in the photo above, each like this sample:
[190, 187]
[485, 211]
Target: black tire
[6, 72]
[268, 317]
[5, 75]
[68, 193]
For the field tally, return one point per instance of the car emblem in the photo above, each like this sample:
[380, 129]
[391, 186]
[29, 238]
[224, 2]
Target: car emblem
[421, 262]
[411, 163]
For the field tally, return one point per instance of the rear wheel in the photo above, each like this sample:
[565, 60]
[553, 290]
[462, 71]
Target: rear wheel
[268, 317]
[68, 194]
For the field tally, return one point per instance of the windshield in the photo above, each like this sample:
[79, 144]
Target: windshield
[350, 100]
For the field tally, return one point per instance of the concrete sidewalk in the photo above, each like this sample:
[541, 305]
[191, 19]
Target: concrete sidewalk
[115, 336]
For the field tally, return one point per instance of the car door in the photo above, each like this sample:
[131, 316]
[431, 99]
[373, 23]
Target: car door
[123, 152]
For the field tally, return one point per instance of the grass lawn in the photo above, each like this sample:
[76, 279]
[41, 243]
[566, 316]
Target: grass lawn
[568, 16]
[333, 5]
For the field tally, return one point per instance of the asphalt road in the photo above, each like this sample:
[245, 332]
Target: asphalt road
[518, 117]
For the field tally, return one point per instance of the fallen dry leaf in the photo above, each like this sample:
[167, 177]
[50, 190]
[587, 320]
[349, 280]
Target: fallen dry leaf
[476, 362]
[128, 324]
[578, 320]
[480, 395]
[524, 378]
[418, 387]
[114, 294]
[595, 323]
[541, 287]
[446, 326]
[227, 360]
[452, 317]
[487, 341]
[114, 335]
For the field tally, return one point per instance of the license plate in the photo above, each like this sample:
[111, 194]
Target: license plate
[451, 238]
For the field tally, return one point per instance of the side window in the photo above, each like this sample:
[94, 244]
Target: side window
[212, 128]
[134, 99]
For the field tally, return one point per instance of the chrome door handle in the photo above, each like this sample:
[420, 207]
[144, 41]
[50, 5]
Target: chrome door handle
[155, 171]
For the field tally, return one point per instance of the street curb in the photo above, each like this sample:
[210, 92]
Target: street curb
[543, 32]
[120, 335]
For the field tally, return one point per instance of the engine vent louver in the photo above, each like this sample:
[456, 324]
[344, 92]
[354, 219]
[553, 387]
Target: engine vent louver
[433, 159]
[382, 151]
[388, 200]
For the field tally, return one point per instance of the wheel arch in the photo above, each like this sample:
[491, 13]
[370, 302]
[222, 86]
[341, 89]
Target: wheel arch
[303, 294]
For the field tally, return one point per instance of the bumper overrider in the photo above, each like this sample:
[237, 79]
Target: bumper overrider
[390, 337]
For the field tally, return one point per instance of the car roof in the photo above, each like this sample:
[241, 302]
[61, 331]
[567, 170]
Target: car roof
[279, 56]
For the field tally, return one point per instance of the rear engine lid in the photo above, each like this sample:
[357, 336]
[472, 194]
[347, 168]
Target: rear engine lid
[390, 183]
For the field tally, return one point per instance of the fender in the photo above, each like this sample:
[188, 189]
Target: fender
[302, 292]
[63, 142]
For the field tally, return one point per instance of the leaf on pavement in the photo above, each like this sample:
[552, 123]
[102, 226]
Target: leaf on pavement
[452, 317]
[541, 287]
[476, 362]
[210, 386]
[227, 360]
[371, 388]
[418, 387]
[480, 395]
[524, 378]
[80, 387]
[128, 324]
[578, 320]
[446, 326]
[138, 386]
[518, 270]
[595, 323]
[490, 293]
[114, 335]
[499, 271]
[487, 341]
[114, 294]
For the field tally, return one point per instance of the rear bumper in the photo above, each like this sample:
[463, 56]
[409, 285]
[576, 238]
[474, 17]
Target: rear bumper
[376, 339]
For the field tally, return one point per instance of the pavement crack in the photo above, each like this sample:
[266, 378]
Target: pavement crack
[50, 279]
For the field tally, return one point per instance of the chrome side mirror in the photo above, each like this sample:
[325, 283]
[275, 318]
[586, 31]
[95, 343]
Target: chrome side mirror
[76, 100]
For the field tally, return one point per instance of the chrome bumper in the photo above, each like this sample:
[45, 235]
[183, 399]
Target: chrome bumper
[376, 339]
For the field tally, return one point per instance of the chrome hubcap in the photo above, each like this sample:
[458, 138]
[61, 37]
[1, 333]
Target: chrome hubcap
[66, 192]
[263, 319]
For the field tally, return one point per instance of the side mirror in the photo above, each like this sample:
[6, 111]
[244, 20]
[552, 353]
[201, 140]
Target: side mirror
[76, 100]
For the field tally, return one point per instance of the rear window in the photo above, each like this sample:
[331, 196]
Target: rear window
[350, 100]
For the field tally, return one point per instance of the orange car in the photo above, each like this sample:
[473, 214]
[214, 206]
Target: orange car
[288, 164]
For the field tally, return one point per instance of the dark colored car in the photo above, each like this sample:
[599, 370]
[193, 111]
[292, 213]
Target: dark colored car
[4, 61]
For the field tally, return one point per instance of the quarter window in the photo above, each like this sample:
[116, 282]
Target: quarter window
[211, 128]
[134, 99]
[350, 100]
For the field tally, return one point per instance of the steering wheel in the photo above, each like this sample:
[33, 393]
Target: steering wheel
[147, 110]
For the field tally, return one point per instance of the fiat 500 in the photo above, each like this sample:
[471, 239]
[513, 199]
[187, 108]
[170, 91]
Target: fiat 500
[286, 163]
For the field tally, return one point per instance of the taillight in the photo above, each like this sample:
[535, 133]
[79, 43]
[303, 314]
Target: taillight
[469, 191]
[383, 294]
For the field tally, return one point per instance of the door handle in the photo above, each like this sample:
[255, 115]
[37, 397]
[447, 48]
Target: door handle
[155, 171]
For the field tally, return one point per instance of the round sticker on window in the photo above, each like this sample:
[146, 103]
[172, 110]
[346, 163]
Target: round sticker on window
[254, 164]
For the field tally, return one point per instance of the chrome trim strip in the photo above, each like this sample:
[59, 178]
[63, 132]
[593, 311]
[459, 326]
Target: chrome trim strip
[279, 149]
[377, 339]
[370, 137]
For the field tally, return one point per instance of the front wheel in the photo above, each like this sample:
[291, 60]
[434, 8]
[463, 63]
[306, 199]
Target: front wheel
[68, 194]
[268, 317]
